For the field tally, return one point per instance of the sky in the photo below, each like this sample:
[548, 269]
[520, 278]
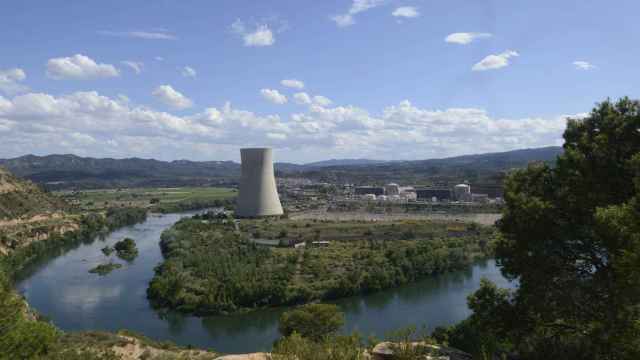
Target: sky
[378, 79]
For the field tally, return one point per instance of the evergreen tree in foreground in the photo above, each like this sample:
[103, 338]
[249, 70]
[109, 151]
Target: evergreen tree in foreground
[571, 237]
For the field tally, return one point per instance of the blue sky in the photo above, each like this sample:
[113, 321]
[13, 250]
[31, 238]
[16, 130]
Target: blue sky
[388, 84]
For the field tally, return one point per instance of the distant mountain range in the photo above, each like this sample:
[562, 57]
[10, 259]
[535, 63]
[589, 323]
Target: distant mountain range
[71, 171]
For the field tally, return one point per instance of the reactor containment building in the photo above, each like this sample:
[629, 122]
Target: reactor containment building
[258, 192]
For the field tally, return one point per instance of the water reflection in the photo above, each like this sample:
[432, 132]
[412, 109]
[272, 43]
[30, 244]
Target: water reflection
[60, 287]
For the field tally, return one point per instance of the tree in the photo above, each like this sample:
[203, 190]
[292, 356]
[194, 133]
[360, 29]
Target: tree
[312, 321]
[570, 236]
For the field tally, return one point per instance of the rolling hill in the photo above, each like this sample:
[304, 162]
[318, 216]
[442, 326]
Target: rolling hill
[71, 171]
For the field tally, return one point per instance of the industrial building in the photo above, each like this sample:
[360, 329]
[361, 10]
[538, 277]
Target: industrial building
[258, 194]
[427, 194]
[391, 189]
[462, 192]
[493, 190]
[364, 190]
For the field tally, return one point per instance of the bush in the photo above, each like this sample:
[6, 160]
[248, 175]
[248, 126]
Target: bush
[126, 249]
[312, 321]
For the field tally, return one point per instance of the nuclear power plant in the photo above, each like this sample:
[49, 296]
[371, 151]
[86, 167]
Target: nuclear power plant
[258, 193]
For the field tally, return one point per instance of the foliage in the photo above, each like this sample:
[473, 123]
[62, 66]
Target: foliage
[126, 249]
[107, 250]
[296, 347]
[312, 321]
[484, 333]
[210, 268]
[91, 225]
[571, 237]
[104, 269]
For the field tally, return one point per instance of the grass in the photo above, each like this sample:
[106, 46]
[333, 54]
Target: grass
[144, 197]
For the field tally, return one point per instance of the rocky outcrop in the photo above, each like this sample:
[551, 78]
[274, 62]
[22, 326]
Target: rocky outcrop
[254, 356]
[421, 350]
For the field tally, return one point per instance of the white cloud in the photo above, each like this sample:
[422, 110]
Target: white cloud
[261, 36]
[159, 58]
[160, 34]
[274, 96]
[302, 98]
[406, 12]
[91, 124]
[277, 136]
[171, 97]
[493, 62]
[79, 67]
[464, 38]
[343, 20]
[188, 71]
[10, 81]
[321, 100]
[583, 65]
[357, 6]
[136, 66]
[292, 83]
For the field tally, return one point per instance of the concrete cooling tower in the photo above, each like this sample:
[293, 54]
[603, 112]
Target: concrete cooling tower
[258, 193]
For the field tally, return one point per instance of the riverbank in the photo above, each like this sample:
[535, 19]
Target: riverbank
[23, 332]
[60, 288]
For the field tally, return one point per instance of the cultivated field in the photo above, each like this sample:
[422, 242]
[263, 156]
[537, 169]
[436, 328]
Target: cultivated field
[161, 199]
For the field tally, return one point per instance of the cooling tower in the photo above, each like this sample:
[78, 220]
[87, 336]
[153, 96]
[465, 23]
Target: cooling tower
[258, 193]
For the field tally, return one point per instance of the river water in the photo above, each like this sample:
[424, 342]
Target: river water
[61, 288]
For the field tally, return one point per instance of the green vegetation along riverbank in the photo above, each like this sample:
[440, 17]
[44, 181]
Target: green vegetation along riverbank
[162, 200]
[211, 268]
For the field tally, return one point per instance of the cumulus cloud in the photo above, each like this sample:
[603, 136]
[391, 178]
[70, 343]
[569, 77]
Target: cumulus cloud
[188, 71]
[302, 98]
[79, 67]
[292, 83]
[96, 125]
[406, 12]
[158, 34]
[464, 38]
[274, 96]
[357, 6]
[493, 62]
[171, 97]
[261, 36]
[136, 66]
[10, 81]
[321, 100]
[583, 65]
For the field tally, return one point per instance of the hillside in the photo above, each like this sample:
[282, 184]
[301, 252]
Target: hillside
[20, 198]
[486, 168]
[28, 214]
[71, 171]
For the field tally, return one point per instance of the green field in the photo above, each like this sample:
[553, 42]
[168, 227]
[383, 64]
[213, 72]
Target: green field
[156, 199]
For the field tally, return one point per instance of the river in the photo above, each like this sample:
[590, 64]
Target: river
[61, 288]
